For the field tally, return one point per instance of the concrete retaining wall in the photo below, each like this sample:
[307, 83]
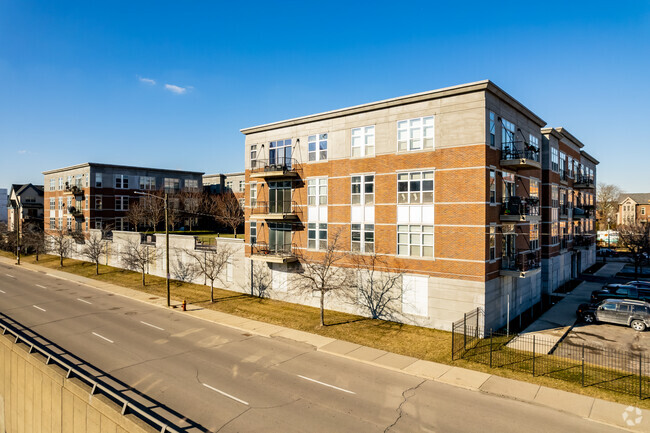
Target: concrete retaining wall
[35, 397]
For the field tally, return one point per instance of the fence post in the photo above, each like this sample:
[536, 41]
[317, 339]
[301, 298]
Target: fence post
[453, 331]
[640, 377]
[490, 348]
[477, 310]
[533, 355]
[465, 331]
[583, 364]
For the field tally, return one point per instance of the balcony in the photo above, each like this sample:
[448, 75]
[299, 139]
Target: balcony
[582, 212]
[565, 211]
[518, 159]
[583, 242]
[521, 265]
[583, 182]
[564, 176]
[75, 190]
[277, 253]
[276, 210]
[519, 209]
[274, 167]
[77, 213]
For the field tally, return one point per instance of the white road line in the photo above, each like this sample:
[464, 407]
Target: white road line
[42, 287]
[2, 291]
[83, 300]
[102, 337]
[10, 276]
[38, 308]
[153, 326]
[325, 384]
[225, 394]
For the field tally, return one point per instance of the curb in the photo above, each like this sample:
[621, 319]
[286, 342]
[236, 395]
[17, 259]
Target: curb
[590, 408]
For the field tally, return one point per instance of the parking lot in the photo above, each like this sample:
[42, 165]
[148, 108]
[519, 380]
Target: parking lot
[608, 336]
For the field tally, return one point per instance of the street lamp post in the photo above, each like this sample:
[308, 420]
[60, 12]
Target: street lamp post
[166, 239]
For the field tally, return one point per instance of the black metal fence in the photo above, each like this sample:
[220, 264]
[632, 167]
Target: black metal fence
[619, 371]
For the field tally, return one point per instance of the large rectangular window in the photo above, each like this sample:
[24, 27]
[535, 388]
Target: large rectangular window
[493, 129]
[192, 185]
[507, 136]
[121, 181]
[52, 204]
[363, 189]
[98, 180]
[172, 185]
[317, 236]
[317, 145]
[493, 186]
[415, 240]
[555, 164]
[60, 184]
[253, 232]
[52, 184]
[415, 187]
[363, 238]
[415, 134]
[534, 237]
[493, 242]
[147, 182]
[98, 202]
[52, 223]
[317, 191]
[253, 194]
[280, 153]
[363, 141]
[563, 173]
[121, 202]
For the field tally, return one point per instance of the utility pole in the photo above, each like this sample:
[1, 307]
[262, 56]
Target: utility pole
[167, 248]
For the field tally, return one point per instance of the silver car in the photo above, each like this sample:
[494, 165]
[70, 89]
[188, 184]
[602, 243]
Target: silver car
[635, 314]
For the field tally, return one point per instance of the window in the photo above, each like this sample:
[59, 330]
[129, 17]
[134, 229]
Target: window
[317, 236]
[52, 184]
[98, 202]
[78, 181]
[363, 238]
[253, 232]
[534, 189]
[363, 189]
[555, 203]
[507, 135]
[253, 156]
[191, 185]
[317, 191]
[554, 159]
[121, 181]
[562, 165]
[60, 183]
[242, 185]
[229, 184]
[280, 153]
[363, 141]
[53, 223]
[242, 203]
[554, 233]
[493, 242]
[415, 134]
[69, 223]
[52, 204]
[317, 145]
[121, 224]
[68, 183]
[534, 142]
[508, 180]
[493, 185]
[415, 295]
[534, 237]
[121, 202]
[253, 194]
[415, 240]
[98, 180]
[61, 205]
[172, 185]
[147, 182]
[69, 202]
[642, 211]
[415, 187]
[570, 167]
[493, 130]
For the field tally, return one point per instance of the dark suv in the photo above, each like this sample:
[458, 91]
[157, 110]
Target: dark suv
[633, 313]
[621, 291]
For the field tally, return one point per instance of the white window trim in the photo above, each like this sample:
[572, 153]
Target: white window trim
[422, 129]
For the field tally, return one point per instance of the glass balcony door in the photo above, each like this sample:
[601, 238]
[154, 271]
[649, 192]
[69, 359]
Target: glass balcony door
[280, 197]
[280, 153]
[279, 238]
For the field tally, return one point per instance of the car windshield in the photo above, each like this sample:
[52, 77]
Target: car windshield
[609, 307]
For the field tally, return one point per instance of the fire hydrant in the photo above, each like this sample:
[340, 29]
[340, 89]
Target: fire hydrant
[184, 305]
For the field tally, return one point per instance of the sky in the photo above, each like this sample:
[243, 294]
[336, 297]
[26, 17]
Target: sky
[170, 84]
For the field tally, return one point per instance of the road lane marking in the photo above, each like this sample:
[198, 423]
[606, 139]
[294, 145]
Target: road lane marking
[2, 291]
[102, 337]
[42, 287]
[83, 300]
[153, 326]
[325, 384]
[10, 276]
[38, 308]
[225, 394]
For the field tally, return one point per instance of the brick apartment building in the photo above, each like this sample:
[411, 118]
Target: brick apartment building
[25, 205]
[446, 184]
[221, 182]
[633, 208]
[92, 195]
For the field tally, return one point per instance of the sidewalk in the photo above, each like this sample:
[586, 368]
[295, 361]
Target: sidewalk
[558, 321]
[580, 405]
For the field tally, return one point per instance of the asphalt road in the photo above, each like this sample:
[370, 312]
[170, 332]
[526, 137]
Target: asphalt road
[230, 381]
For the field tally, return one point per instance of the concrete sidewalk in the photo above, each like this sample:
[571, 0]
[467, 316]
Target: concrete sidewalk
[558, 321]
[580, 405]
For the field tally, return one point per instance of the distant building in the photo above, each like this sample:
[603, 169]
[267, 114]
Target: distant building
[25, 202]
[633, 208]
[3, 205]
[222, 182]
[93, 195]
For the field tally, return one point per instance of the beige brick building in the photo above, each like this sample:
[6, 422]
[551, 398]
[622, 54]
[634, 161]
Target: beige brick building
[446, 185]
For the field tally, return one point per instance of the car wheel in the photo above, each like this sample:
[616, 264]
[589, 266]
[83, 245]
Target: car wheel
[588, 318]
[638, 325]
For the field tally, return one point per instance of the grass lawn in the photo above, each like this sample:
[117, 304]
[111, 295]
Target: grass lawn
[423, 343]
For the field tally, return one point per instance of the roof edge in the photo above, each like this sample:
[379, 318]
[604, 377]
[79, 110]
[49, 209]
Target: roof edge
[589, 157]
[99, 164]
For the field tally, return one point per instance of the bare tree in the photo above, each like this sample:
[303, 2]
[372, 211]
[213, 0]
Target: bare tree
[137, 257]
[94, 249]
[226, 209]
[636, 237]
[192, 202]
[174, 213]
[213, 263]
[607, 198]
[7, 242]
[182, 270]
[323, 273]
[60, 244]
[154, 209]
[259, 279]
[34, 239]
[376, 290]
[137, 215]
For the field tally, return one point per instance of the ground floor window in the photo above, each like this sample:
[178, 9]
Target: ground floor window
[317, 236]
[363, 238]
[415, 240]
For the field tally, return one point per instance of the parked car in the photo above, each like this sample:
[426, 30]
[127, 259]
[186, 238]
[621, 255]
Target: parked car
[606, 252]
[640, 284]
[629, 312]
[620, 291]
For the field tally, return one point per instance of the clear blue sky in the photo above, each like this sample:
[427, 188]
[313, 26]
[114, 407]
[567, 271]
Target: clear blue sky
[170, 84]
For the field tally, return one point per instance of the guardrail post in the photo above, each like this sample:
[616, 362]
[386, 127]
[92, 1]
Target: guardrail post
[533, 355]
[583, 364]
[490, 348]
[465, 331]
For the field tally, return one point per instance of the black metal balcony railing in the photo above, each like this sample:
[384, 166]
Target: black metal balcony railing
[581, 212]
[510, 152]
[277, 164]
[564, 175]
[564, 210]
[583, 240]
[521, 262]
[74, 189]
[284, 207]
[278, 250]
[77, 213]
[582, 181]
[564, 242]
[515, 205]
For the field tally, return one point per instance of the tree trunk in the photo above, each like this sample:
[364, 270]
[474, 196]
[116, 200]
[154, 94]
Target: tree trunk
[61, 260]
[143, 277]
[212, 291]
[97, 268]
[234, 230]
[322, 308]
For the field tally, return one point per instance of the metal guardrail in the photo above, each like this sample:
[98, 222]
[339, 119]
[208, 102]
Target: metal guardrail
[129, 405]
